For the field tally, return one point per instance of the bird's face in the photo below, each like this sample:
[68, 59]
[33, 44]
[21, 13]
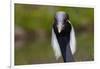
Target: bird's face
[61, 18]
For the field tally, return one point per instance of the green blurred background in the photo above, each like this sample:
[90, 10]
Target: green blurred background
[33, 24]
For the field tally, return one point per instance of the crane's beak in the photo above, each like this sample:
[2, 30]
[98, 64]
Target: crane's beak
[59, 28]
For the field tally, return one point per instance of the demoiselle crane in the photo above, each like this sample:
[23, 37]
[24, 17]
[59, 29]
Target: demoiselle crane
[63, 37]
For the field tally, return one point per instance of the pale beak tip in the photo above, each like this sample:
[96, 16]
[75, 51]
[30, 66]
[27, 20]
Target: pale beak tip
[59, 31]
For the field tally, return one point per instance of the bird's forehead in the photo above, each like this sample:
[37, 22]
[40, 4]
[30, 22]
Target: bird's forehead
[60, 16]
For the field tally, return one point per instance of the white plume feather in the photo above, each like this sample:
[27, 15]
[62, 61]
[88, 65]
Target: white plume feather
[72, 40]
[55, 45]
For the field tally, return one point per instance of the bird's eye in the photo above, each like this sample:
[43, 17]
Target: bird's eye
[64, 20]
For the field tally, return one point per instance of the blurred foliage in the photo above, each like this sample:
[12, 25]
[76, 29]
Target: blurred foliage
[37, 20]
